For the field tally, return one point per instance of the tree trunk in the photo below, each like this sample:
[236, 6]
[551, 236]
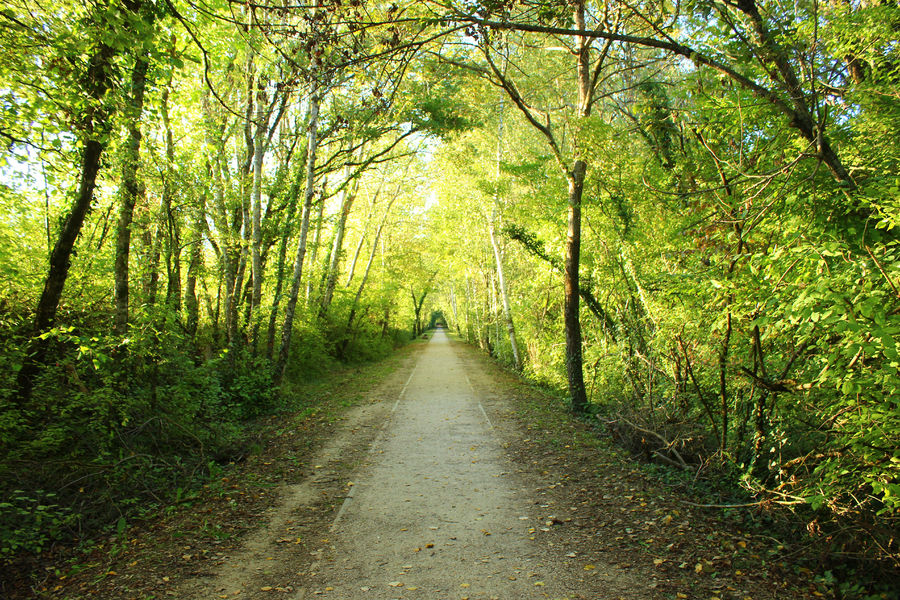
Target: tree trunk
[311, 147]
[498, 255]
[314, 251]
[151, 266]
[282, 259]
[365, 277]
[191, 300]
[169, 218]
[417, 307]
[349, 195]
[455, 310]
[362, 235]
[571, 317]
[95, 125]
[228, 255]
[571, 313]
[504, 298]
[259, 153]
[129, 191]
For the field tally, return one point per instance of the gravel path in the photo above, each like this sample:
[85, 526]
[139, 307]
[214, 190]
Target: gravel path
[435, 511]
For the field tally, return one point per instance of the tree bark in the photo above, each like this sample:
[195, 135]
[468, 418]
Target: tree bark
[169, 219]
[259, 152]
[571, 310]
[314, 251]
[129, 191]
[365, 276]
[349, 196]
[282, 259]
[95, 127]
[311, 147]
[191, 300]
[417, 307]
[498, 255]
[504, 299]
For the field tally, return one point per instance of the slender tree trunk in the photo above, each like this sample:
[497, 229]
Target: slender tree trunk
[311, 147]
[362, 235]
[259, 153]
[498, 255]
[61, 257]
[282, 259]
[169, 218]
[571, 317]
[349, 195]
[191, 301]
[129, 191]
[571, 310]
[352, 267]
[314, 251]
[455, 310]
[153, 240]
[227, 252]
[365, 276]
[95, 125]
[504, 297]
[803, 120]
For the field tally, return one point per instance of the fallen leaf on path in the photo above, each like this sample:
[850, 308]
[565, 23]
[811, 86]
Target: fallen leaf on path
[396, 584]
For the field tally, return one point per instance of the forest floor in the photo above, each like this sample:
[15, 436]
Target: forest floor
[433, 475]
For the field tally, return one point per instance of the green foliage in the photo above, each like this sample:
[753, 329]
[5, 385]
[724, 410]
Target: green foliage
[744, 320]
[117, 423]
[31, 520]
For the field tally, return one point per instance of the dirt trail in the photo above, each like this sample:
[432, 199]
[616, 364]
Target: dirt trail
[436, 512]
[432, 508]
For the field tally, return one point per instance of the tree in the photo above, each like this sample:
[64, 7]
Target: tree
[574, 167]
[94, 80]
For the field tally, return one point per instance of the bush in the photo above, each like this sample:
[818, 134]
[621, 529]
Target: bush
[116, 423]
